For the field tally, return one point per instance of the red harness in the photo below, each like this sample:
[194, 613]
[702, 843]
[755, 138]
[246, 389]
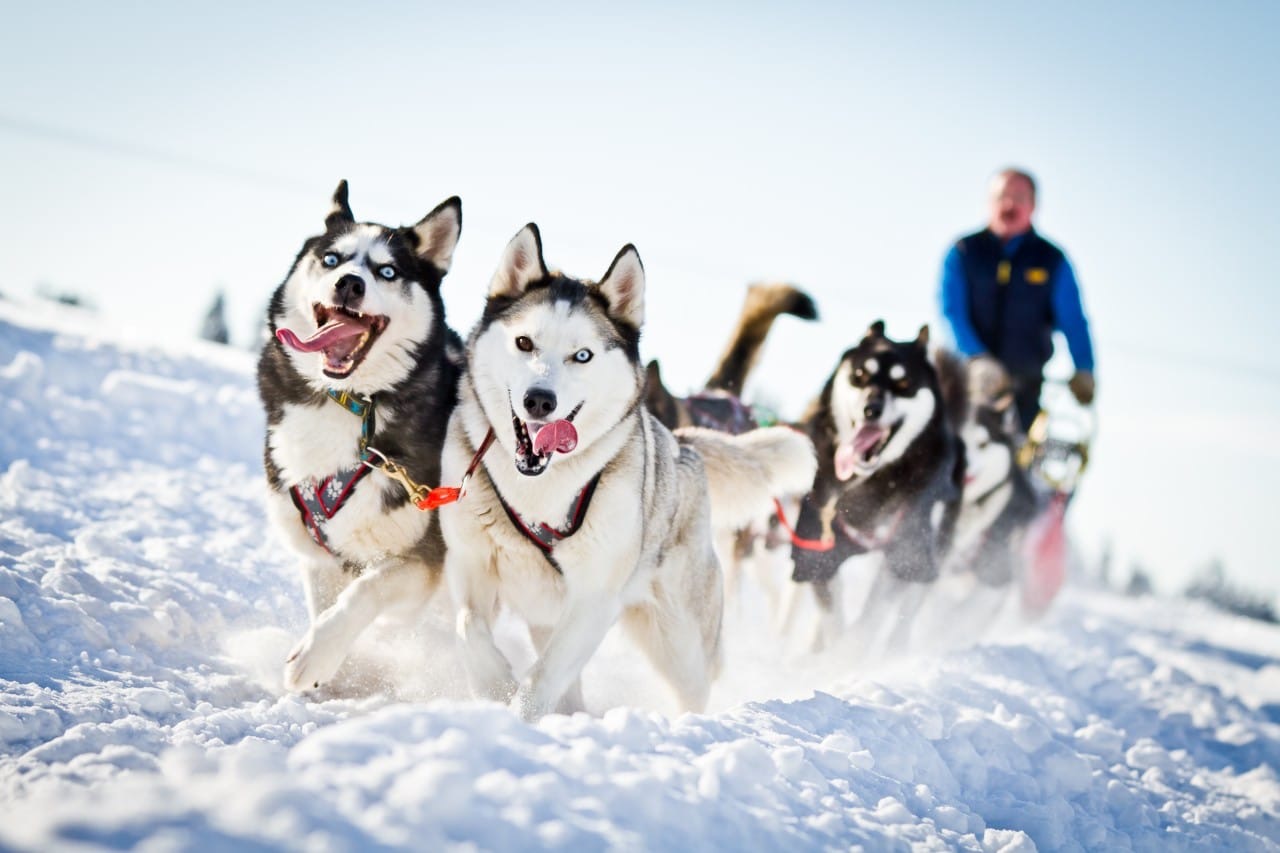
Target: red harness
[875, 541]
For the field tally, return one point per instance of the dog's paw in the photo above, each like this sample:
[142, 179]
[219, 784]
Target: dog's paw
[312, 662]
[528, 705]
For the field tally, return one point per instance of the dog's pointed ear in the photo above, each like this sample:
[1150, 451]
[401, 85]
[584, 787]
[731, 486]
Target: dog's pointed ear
[875, 330]
[922, 339]
[437, 233]
[623, 287]
[521, 264]
[339, 211]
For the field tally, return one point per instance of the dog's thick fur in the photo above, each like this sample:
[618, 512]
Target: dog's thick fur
[999, 501]
[890, 472]
[378, 548]
[556, 353]
[718, 407]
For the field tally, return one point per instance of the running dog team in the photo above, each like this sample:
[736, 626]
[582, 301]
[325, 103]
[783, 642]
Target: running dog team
[538, 466]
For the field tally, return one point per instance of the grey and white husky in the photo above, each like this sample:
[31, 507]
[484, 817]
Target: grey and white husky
[360, 368]
[585, 510]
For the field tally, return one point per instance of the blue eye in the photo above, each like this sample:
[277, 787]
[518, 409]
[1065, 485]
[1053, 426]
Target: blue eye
[388, 272]
[582, 356]
[330, 259]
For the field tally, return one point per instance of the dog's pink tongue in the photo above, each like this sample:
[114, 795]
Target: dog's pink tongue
[846, 461]
[555, 437]
[325, 336]
[850, 454]
[866, 437]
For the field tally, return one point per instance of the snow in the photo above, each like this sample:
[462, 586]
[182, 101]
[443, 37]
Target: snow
[145, 610]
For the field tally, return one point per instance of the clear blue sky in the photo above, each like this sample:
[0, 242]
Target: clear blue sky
[150, 156]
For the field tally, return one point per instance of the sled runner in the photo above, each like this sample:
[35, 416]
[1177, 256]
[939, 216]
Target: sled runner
[1055, 456]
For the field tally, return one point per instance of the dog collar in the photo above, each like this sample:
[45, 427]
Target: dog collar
[545, 536]
[361, 407]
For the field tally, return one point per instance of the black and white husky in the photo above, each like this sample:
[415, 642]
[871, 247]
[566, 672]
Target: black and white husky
[584, 509]
[360, 369]
[890, 472]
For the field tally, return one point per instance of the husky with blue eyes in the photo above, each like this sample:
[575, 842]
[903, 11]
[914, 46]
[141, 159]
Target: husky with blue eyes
[581, 509]
[360, 369]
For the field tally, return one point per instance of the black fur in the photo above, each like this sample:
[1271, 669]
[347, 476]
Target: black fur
[931, 471]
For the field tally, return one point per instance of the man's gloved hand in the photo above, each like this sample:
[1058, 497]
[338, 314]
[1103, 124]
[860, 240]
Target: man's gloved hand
[1081, 385]
[987, 379]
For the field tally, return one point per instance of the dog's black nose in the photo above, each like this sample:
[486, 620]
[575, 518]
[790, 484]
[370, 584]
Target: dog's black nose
[348, 287]
[539, 402]
[873, 409]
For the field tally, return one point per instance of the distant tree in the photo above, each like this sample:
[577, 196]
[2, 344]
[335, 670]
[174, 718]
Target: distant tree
[1139, 581]
[214, 327]
[1210, 584]
[1104, 564]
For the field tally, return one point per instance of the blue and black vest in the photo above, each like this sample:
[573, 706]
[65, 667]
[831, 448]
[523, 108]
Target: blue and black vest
[1010, 298]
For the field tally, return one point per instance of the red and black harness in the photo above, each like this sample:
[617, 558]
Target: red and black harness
[544, 536]
[876, 540]
[318, 501]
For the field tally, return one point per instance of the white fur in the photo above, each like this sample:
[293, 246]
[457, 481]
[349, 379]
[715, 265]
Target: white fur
[643, 556]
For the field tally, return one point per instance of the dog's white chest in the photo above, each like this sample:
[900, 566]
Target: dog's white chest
[313, 442]
[316, 448]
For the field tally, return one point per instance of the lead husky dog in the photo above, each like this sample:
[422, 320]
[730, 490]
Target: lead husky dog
[890, 471]
[360, 367]
[587, 510]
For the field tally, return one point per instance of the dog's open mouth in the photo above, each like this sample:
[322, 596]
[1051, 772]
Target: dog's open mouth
[537, 441]
[861, 453]
[342, 335]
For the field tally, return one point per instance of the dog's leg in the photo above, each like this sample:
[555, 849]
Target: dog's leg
[877, 609]
[830, 595]
[909, 596]
[581, 628]
[680, 632]
[473, 584]
[394, 581]
[572, 701]
[322, 580]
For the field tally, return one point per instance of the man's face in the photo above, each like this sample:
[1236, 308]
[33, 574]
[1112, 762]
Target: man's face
[1012, 203]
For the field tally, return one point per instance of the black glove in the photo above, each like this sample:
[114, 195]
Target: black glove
[1082, 386]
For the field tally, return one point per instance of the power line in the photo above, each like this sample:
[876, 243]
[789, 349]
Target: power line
[79, 139]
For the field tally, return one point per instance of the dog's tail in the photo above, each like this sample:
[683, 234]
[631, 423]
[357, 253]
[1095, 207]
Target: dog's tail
[746, 472]
[764, 303]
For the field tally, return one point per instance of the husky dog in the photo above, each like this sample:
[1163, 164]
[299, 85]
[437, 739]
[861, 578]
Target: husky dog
[890, 471]
[758, 548]
[719, 406]
[583, 508]
[998, 501]
[360, 369]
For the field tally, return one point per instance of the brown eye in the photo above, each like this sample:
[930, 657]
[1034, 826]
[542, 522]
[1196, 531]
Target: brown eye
[524, 344]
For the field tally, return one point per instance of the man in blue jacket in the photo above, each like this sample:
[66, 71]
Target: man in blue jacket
[1005, 289]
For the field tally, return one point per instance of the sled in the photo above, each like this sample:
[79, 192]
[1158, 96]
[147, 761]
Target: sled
[1055, 455]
